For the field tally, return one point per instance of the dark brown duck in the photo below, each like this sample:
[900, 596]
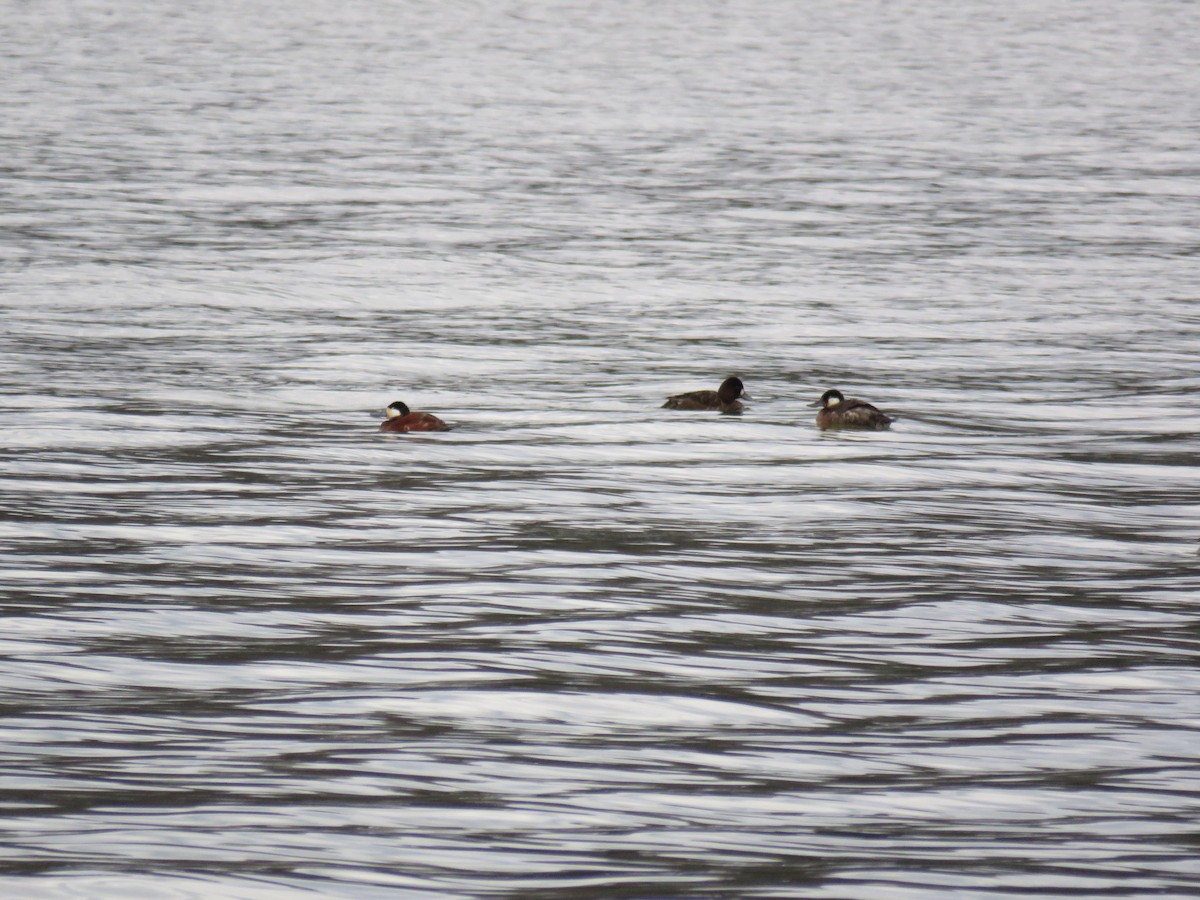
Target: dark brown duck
[838, 412]
[723, 399]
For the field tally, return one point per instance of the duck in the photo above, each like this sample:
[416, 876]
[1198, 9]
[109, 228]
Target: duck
[838, 412]
[724, 398]
[401, 420]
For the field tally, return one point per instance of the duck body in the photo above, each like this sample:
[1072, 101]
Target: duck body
[839, 412]
[723, 399]
[401, 420]
[701, 400]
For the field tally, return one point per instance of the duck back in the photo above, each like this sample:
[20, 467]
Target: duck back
[414, 421]
[853, 414]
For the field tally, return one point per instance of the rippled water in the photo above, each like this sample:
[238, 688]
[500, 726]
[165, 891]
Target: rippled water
[582, 646]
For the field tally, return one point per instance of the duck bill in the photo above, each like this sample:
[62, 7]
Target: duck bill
[815, 404]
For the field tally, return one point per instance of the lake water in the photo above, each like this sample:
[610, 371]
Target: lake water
[581, 646]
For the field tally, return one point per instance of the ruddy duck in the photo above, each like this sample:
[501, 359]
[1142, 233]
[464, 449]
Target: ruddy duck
[838, 412]
[724, 398]
[401, 420]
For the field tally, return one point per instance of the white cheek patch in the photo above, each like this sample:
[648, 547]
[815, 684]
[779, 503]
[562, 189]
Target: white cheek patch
[392, 412]
[833, 401]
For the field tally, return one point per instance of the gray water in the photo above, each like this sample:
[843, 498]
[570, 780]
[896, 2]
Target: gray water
[582, 646]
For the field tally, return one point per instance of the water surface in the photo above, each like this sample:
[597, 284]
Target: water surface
[581, 646]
